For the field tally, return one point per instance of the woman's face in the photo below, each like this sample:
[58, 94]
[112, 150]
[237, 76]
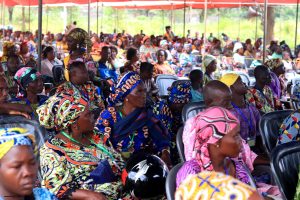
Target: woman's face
[136, 57]
[119, 42]
[33, 87]
[239, 87]
[79, 75]
[231, 143]
[212, 67]
[137, 98]
[50, 55]
[241, 51]
[13, 65]
[161, 57]
[18, 171]
[113, 53]
[148, 42]
[86, 121]
[3, 90]
[40, 85]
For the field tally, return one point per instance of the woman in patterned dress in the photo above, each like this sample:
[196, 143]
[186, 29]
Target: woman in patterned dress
[128, 126]
[75, 163]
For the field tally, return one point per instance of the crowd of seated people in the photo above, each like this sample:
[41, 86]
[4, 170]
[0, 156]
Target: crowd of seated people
[107, 128]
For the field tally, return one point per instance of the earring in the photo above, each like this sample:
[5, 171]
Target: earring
[126, 99]
[218, 146]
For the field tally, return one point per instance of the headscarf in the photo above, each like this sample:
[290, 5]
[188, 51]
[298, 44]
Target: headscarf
[207, 60]
[127, 83]
[8, 47]
[61, 110]
[163, 43]
[213, 185]
[145, 39]
[180, 92]
[186, 45]
[209, 127]
[80, 39]
[24, 76]
[229, 79]
[237, 46]
[273, 63]
[11, 137]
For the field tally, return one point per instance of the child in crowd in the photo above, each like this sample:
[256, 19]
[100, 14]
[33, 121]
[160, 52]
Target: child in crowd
[146, 73]
[196, 77]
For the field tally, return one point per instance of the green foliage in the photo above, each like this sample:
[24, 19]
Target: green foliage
[230, 21]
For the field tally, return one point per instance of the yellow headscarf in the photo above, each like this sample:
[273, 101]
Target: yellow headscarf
[229, 79]
[10, 137]
[212, 185]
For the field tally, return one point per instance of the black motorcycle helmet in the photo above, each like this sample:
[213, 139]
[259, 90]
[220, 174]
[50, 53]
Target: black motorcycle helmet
[144, 176]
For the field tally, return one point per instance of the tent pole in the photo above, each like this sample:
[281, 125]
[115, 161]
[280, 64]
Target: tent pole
[240, 20]
[296, 31]
[29, 16]
[102, 17]
[256, 26]
[117, 21]
[3, 10]
[89, 17]
[265, 29]
[47, 13]
[40, 18]
[163, 20]
[184, 18]
[218, 22]
[172, 15]
[205, 20]
[3, 17]
[97, 18]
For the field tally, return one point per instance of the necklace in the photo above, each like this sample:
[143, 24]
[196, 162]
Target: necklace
[99, 146]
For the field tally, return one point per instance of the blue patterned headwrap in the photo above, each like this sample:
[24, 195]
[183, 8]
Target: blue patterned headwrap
[10, 137]
[180, 92]
[126, 84]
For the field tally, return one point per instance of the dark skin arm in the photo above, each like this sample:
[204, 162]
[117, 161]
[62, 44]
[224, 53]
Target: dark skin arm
[15, 109]
[261, 160]
[87, 195]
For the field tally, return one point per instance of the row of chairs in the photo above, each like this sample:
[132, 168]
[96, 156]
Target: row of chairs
[164, 81]
[285, 158]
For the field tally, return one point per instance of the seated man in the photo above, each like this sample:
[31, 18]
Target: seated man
[247, 113]
[196, 77]
[261, 94]
[106, 69]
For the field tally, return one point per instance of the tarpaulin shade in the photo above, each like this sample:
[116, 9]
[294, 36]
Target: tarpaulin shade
[160, 4]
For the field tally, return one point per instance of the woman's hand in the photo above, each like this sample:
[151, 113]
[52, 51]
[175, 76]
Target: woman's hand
[165, 156]
[87, 195]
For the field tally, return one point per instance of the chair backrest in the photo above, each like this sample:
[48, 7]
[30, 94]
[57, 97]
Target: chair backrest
[163, 82]
[171, 182]
[252, 181]
[58, 74]
[285, 161]
[18, 121]
[269, 127]
[192, 109]
[179, 144]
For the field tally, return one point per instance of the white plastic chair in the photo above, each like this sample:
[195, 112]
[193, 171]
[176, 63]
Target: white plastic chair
[163, 82]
